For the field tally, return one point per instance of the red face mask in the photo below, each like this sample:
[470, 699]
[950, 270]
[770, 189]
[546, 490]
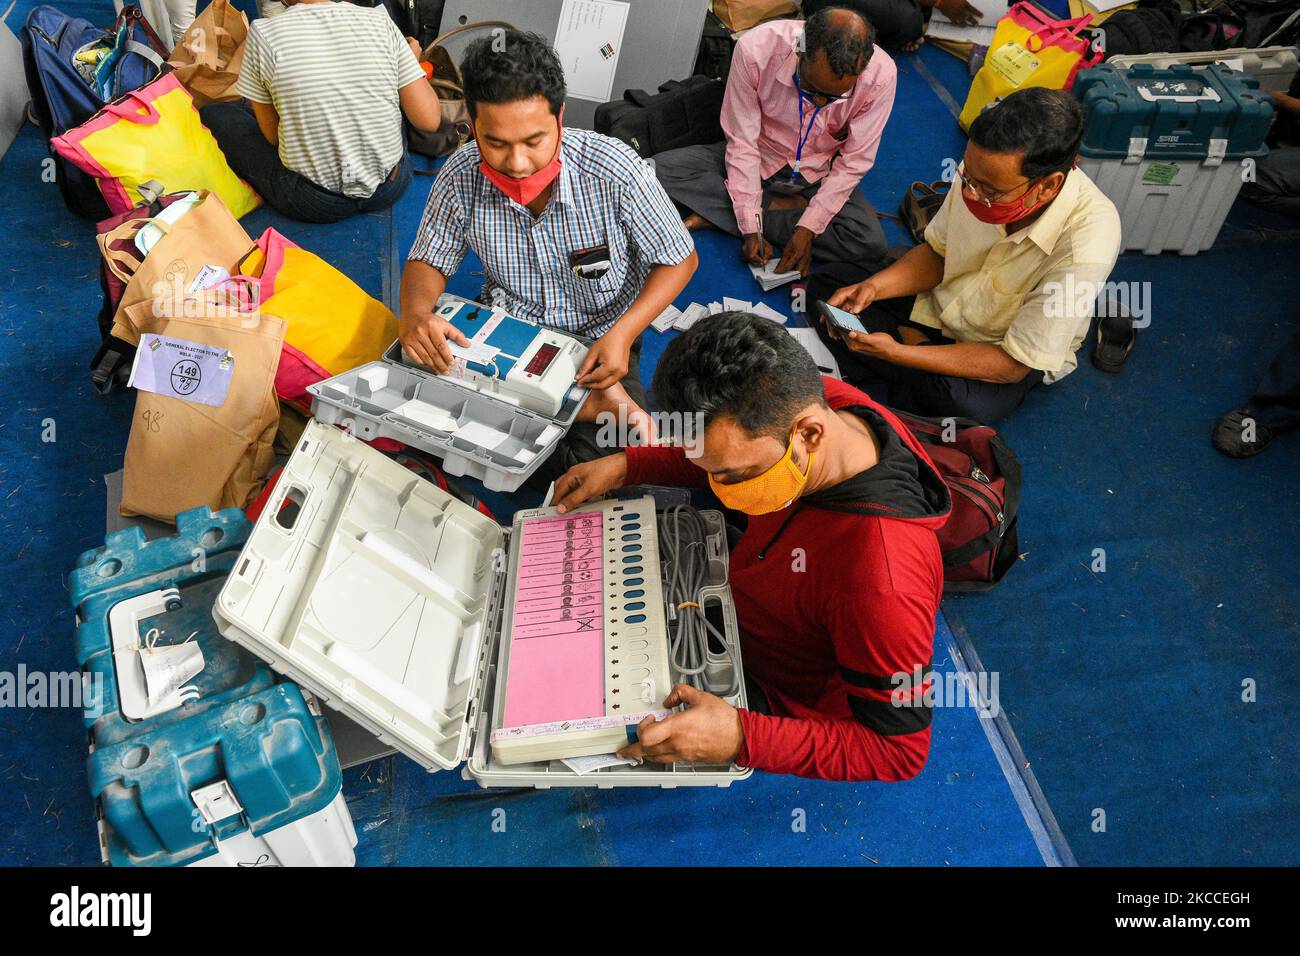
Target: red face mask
[524, 191]
[1001, 213]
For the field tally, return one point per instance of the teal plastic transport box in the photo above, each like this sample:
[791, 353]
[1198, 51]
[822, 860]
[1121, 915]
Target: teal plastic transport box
[1171, 147]
[220, 766]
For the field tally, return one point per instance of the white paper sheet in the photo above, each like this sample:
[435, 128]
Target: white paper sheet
[694, 312]
[768, 278]
[589, 39]
[943, 30]
[817, 349]
[1101, 6]
[480, 435]
[991, 11]
[666, 318]
[767, 312]
[736, 305]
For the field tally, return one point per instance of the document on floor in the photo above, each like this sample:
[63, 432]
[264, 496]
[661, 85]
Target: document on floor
[666, 318]
[768, 278]
[945, 30]
[815, 347]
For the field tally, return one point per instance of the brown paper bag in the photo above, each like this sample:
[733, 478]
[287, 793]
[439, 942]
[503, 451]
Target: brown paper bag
[739, 15]
[183, 454]
[207, 237]
[208, 58]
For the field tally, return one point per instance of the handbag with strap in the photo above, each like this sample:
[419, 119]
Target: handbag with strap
[120, 259]
[446, 80]
[1030, 48]
[979, 541]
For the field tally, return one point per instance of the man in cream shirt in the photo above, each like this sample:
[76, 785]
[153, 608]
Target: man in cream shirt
[1000, 295]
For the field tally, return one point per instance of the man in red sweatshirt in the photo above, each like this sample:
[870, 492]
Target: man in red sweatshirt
[838, 576]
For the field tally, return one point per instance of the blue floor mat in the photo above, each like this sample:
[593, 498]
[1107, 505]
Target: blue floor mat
[958, 812]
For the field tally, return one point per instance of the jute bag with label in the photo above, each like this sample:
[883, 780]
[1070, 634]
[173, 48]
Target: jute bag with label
[184, 452]
[200, 249]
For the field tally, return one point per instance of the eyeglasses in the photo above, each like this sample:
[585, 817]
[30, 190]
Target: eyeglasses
[815, 95]
[986, 198]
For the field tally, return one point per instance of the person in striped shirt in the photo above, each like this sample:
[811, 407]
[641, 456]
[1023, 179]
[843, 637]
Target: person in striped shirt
[573, 230]
[328, 83]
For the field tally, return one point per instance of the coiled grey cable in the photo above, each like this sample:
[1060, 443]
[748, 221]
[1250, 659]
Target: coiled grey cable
[683, 538]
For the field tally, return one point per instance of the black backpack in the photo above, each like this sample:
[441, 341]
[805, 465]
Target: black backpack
[683, 113]
[716, 48]
[1151, 28]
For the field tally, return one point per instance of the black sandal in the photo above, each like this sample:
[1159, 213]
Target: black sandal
[1115, 339]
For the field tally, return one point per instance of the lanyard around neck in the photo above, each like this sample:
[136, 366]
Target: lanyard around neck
[803, 135]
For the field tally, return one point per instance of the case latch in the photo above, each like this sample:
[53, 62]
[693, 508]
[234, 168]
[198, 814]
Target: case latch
[1217, 151]
[1137, 148]
[216, 802]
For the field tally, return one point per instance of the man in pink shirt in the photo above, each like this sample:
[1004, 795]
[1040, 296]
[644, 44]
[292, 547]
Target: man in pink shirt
[805, 106]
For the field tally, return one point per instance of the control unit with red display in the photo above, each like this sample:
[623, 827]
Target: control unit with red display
[521, 362]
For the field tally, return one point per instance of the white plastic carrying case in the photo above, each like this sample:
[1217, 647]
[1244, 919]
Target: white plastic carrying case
[496, 416]
[385, 597]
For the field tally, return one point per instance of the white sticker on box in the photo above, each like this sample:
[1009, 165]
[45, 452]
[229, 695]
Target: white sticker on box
[187, 370]
[478, 352]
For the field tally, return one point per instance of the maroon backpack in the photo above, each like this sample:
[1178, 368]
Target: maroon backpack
[978, 541]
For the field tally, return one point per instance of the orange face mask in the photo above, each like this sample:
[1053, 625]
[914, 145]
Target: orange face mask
[771, 491]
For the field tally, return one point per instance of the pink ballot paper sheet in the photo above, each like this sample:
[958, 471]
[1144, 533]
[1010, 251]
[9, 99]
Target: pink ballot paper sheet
[557, 637]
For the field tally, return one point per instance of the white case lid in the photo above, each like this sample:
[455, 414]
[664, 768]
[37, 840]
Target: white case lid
[377, 595]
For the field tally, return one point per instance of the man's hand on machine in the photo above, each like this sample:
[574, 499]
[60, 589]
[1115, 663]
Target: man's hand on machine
[707, 731]
[425, 340]
[607, 360]
[591, 479]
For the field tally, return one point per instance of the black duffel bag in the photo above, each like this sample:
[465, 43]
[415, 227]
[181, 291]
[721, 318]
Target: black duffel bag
[683, 113]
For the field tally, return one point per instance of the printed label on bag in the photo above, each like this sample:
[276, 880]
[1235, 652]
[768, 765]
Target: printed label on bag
[1160, 174]
[189, 370]
[208, 276]
[1012, 62]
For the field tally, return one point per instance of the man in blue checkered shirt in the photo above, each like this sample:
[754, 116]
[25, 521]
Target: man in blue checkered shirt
[573, 229]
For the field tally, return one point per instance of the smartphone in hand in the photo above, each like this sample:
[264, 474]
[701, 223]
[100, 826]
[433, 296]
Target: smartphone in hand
[841, 319]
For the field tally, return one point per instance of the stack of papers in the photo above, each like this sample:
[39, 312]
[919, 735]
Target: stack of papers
[681, 320]
[991, 11]
[769, 278]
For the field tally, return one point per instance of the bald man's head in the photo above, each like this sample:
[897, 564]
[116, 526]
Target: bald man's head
[842, 36]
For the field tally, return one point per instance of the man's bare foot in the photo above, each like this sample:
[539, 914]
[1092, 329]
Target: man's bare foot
[696, 221]
[914, 45]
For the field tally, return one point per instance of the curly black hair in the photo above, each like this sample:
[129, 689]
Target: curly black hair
[742, 366]
[1045, 126]
[847, 44]
[507, 65]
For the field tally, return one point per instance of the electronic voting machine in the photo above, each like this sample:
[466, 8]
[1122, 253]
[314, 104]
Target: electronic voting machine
[496, 416]
[453, 639]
